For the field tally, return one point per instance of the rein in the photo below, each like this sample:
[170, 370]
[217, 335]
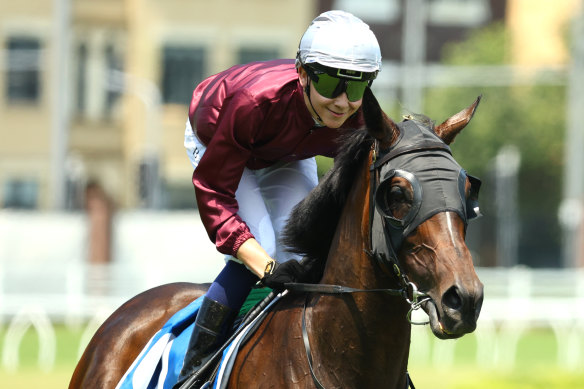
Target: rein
[409, 292]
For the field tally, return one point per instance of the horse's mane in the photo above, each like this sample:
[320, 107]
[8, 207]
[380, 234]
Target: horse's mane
[312, 224]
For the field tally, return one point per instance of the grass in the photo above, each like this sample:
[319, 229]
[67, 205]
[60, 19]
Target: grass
[454, 364]
[434, 364]
[29, 378]
[475, 378]
[28, 374]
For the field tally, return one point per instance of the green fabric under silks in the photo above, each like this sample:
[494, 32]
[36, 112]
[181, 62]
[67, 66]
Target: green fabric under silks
[255, 296]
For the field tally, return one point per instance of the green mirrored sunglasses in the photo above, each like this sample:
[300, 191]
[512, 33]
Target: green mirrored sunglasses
[330, 86]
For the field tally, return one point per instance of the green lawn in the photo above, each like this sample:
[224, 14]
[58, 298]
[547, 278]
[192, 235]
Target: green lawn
[471, 377]
[430, 366]
[535, 366]
[29, 375]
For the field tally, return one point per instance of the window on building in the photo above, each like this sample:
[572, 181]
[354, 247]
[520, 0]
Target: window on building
[20, 194]
[98, 79]
[23, 69]
[114, 63]
[251, 54]
[183, 67]
[81, 85]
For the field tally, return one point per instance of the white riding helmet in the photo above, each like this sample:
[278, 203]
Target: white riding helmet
[337, 39]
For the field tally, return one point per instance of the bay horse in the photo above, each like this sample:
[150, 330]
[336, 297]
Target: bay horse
[388, 216]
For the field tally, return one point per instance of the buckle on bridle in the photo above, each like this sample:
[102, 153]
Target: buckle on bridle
[415, 298]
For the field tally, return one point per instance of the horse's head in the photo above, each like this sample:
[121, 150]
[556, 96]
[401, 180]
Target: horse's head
[421, 202]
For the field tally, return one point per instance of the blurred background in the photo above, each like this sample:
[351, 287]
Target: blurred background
[96, 199]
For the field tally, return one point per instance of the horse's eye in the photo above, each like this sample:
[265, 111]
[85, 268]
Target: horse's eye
[396, 194]
[399, 202]
[394, 199]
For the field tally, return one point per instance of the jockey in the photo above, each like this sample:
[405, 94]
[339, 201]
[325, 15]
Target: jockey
[252, 134]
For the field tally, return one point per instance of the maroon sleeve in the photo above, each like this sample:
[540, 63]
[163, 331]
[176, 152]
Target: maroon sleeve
[217, 176]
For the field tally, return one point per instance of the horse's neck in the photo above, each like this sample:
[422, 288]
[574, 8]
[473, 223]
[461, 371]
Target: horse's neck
[371, 327]
[348, 261]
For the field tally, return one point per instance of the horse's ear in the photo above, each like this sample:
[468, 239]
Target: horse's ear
[448, 130]
[379, 125]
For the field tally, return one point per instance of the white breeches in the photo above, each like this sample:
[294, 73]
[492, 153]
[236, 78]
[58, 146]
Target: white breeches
[266, 196]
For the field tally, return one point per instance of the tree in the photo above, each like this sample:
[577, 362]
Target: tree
[530, 117]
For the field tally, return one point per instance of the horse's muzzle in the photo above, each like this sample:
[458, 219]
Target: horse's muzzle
[457, 312]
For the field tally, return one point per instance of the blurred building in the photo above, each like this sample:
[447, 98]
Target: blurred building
[541, 31]
[131, 67]
[125, 71]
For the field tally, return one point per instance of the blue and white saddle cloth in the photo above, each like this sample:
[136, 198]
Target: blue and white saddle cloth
[159, 364]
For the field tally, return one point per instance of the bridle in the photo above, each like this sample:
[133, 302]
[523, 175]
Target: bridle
[389, 263]
[387, 234]
[384, 250]
[407, 289]
[392, 236]
[405, 159]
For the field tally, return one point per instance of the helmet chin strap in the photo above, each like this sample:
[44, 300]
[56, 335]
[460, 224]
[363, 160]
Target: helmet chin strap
[307, 91]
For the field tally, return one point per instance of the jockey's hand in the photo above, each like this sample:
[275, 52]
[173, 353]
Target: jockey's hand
[288, 272]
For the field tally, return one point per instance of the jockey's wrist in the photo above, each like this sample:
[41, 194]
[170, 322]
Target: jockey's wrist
[254, 257]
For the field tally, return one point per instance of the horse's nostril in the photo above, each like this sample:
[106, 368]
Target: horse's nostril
[452, 299]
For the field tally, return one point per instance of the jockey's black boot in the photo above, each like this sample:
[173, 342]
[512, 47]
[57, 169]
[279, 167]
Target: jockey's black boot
[211, 328]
